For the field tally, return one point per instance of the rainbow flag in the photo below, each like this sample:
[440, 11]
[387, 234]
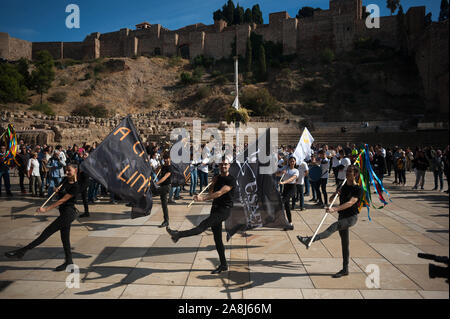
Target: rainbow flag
[368, 178]
[10, 139]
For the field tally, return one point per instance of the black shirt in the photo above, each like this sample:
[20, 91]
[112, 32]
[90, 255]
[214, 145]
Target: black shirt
[164, 170]
[347, 192]
[68, 188]
[226, 200]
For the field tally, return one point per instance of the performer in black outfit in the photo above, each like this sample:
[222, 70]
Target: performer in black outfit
[349, 196]
[164, 189]
[66, 201]
[221, 192]
[83, 182]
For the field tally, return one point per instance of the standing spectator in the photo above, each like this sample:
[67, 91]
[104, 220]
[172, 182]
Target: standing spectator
[22, 158]
[420, 165]
[63, 158]
[409, 159]
[343, 165]
[314, 177]
[303, 174]
[289, 181]
[334, 166]
[438, 170]
[44, 169]
[396, 157]
[55, 164]
[400, 165]
[389, 161]
[446, 165]
[4, 173]
[83, 183]
[379, 164]
[34, 175]
[194, 175]
[324, 166]
[203, 173]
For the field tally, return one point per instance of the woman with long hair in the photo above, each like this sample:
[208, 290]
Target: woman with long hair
[66, 194]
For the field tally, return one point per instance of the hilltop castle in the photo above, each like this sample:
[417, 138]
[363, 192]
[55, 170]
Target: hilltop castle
[335, 28]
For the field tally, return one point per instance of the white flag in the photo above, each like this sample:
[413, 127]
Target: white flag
[236, 103]
[303, 150]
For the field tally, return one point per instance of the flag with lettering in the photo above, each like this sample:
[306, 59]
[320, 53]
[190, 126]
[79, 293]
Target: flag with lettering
[257, 203]
[120, 163]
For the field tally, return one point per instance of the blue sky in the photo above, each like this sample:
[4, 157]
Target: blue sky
[44, 20]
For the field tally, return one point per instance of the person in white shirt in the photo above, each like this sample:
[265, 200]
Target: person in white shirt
[34, 175]
[63, 159]
[203, 173]
[335, 160]
[343, 165]
[289, 179]
[303, 173]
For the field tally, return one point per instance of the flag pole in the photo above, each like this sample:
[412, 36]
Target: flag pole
[200, 193]
[325, 216]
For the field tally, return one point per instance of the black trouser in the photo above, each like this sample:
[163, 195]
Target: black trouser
[322, 185]
[218, 215]
[402, 176]
[299, 196]
[62, 223]
[395, 175]
[335, 172]
[21, 179]
[84, 198]
[288, 193]
[164, 194]
[342, 225]
[389, 167]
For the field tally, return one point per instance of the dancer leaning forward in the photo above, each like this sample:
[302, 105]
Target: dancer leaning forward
[349, 196]
[221, 192]
[66, 194]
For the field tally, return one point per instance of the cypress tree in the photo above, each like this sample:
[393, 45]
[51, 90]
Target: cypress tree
[262, 63]
[443, 14]
[248, 16]
[248, 56]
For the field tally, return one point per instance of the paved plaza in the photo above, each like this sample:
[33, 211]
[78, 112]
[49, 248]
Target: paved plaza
[123, 258]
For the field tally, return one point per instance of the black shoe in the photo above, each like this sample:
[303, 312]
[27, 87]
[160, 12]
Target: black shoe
[289, 227]
[9, 194]
[219, 269]
[304, 240]
[343, 272]
[164, 224]
[171, 201]
[18, 253]
[84, 215]
[63, 266]
[174, 234]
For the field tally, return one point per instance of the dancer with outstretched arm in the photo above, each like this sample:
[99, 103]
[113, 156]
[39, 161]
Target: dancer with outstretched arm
[66, 194]
[349, 196]
[221, 192]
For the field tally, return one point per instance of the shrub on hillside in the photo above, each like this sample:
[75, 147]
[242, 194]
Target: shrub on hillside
[174, 61]
[43, 108]
[87, 92]
[260, 101]
[327, 56]
[221, 80]
[90, 110]
[12, 86]
[58, 97]
[204, 92]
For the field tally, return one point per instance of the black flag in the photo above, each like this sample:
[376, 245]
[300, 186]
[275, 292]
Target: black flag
[257, 203]
[120, 163]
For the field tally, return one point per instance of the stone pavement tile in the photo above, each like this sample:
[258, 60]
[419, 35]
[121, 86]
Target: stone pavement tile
[115, 231]
[26, 289]
[358, 248]
[46, 273]
[203, 277]
[266, 232]
[390, 294]
[433, 294]
[327, 266]
[378, 235]
[317, 249]
[140, 241]
[18, 269]
[313, 227]
[419, 273]
[419, 239]
[270, 244]
[164, 250]
[93, 290]
[272, 293]
[355, 280]
[331, 294]
[239, 275]
[152, 292]
[399, 253]
[440, 250]
[151, 228]
[111, 275]
[442, 240]
[390, 276]
[173, 274]
[315, 217]
[96, 245]
[211, 293]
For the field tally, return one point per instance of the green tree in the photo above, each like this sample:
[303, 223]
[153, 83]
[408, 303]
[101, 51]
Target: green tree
[262, 74]
[248, 18]
[443, 14]
[238, 15]
[43, 75]
[248, 56]
[22, 67]
[257, 14]
[228, 12]
[392, 5]
[12, 88]
[218, 15]
[305, 12]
